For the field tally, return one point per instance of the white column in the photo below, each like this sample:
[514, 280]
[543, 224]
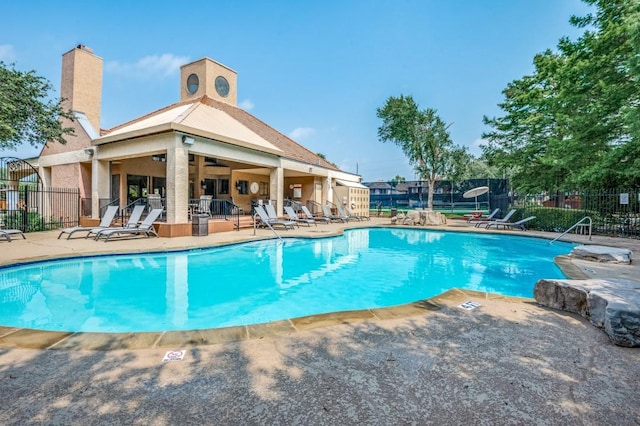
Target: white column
[100, 185]
[177, 183]
[327, 187]
[276, 182]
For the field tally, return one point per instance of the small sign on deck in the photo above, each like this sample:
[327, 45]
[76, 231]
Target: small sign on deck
[174, 356]
[469, 305]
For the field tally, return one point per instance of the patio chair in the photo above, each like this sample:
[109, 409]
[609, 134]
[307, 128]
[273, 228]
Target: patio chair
[146, 228]
[487, 219]
[294, 217]
[136, 214]
[511, 225]
[155, 202]
[204, 206]
[350, 213]
[326, 210]
[264, 217]
[107, 218]
[309, 215]
[504, 219]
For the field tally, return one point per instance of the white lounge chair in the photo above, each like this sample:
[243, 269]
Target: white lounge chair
[485, 219]
[146, 228]
[504, 219]
[264, 217]
[511, 225]
[350, 213]
[107, 218]
[309, 215]
[326, 210]
[294, 217]
[136, 214]
[7, 233]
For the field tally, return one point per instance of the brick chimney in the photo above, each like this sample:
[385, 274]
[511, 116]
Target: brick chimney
[82, 83]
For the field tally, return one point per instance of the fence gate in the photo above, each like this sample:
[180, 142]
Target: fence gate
[26, 205]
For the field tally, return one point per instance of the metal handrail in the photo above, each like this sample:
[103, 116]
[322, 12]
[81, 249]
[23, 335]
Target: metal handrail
[266, 223]
[574, 226]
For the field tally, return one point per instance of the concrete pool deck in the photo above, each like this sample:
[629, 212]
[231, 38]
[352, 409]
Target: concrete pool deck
[506, 361]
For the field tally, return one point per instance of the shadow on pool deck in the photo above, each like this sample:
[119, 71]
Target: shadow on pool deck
[508, 361]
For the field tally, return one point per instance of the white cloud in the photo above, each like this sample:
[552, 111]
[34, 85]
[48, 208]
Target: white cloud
[301, 133]
[474, 148]
[159, 65]
[7, 53]
[246, 105]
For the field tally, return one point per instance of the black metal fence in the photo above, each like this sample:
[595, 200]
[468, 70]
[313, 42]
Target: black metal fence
[31, 208]
[446, 197]
[612, 212]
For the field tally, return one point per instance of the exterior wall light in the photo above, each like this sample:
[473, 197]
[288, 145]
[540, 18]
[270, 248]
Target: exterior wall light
[187, 140]
[89, 151]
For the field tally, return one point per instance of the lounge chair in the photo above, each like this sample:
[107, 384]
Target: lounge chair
[108, 217]
[486, 219]
[271, 211]
[504, 219]
[291, 214]
[7, 233]
[309, 215]
[350, 213]
[511, 225]
[136, 214]
[264, 217]
[344, 213]
[326, 210]
[146, 228]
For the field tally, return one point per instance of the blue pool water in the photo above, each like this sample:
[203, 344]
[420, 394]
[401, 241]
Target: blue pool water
[268, 280]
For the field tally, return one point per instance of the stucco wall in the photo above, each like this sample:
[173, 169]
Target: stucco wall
[65, 176]
[244, 201]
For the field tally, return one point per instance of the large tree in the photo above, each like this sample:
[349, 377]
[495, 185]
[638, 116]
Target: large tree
[456, 168]
[571, 122]
[421, 134]
[26, 113]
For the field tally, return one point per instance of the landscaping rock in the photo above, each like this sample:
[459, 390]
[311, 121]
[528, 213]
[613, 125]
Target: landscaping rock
[424, 217]
[602, 254]
[612, 304]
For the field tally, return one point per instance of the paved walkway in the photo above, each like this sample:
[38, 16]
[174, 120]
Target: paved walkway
[509, 361]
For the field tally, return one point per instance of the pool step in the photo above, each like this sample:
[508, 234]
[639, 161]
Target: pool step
[246, 222]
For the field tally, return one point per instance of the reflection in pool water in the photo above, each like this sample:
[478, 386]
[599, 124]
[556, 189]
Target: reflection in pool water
[268, 280]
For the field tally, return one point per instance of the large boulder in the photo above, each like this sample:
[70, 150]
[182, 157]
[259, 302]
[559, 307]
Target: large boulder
[424, 217]
[602, 254]
[611, 304]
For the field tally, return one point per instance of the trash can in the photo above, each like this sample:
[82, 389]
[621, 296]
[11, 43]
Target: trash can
[200, 225]
[394, 212]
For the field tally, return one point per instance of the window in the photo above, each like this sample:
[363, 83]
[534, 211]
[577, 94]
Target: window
[223, 186]
[242, 186]
[193, 82]
[264, 188]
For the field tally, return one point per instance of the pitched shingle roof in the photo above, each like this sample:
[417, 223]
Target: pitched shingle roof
[222, 119]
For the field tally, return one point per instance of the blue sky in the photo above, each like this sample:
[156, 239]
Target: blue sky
[315, 71]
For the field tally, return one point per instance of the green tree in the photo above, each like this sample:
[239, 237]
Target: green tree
[421, 134]
[480, 168]
[26, 115]
[572, 121]
[396, 180]
[456, 167]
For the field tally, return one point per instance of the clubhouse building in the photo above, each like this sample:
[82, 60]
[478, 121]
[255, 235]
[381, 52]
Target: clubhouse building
[203, 145]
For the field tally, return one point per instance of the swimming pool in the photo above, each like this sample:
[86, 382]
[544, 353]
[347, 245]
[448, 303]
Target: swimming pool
[270, 280]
